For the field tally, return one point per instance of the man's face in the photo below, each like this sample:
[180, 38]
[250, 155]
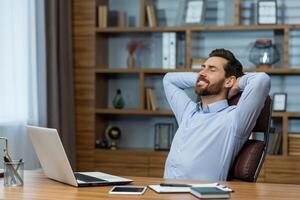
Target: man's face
[211, 77]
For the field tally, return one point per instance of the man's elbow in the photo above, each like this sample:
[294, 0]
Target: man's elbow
[167, 78]
[264, 81]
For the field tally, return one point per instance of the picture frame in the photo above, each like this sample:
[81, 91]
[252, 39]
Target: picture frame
[279, 102]
[194, 12]
[267, 12]
[164, 133]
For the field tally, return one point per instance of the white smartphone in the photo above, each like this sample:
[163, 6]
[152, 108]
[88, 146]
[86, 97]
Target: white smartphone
[137, 190]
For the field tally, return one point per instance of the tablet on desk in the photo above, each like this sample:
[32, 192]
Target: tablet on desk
[137, 190]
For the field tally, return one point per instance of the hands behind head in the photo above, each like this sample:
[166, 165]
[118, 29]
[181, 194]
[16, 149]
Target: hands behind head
[234, 89]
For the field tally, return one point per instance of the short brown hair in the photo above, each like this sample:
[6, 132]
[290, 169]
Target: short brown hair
[233, 66]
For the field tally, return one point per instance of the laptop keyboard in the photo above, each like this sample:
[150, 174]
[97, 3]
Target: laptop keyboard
[88, 179]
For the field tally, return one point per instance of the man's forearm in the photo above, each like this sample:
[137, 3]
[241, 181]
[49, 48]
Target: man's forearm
[260, 80]
[256, 87]
[174, 85]
[181, 80]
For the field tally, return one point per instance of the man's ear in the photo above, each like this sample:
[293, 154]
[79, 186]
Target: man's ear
[229, 82]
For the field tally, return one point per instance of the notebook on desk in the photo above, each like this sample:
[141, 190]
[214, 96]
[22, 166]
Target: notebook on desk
[185, 188]
[55, 163]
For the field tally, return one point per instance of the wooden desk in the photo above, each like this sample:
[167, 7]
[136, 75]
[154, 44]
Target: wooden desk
[37, 186]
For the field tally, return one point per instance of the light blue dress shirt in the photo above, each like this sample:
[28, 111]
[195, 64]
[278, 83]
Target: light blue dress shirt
[208, 140]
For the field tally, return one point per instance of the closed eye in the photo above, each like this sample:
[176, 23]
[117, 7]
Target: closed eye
[211, 68]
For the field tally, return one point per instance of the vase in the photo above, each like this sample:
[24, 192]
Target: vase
[130, 61]
[118, 101]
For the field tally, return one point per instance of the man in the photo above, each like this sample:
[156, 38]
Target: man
[211, 132]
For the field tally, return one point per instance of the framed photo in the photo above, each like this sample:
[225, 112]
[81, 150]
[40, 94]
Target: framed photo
[279, 101]
[194, 11]
[164, 133]
[267, 12]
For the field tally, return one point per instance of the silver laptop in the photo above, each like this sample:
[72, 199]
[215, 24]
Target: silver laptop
[55, 163]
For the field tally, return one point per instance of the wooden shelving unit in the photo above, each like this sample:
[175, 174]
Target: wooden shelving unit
[91, 67]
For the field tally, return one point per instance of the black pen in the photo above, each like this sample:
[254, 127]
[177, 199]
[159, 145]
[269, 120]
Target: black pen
[19, 163]
[174, 185]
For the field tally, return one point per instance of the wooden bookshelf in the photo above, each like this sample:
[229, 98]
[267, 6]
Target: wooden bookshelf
[91, 71]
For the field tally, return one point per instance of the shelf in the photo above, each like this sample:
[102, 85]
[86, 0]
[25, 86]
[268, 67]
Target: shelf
[271, 71]
[195, 28]
[286, 114]
[133, 150]
[276, 71]
[112, 111]
[138, 29]
[295, 135]
[116, 71]
[136, 70]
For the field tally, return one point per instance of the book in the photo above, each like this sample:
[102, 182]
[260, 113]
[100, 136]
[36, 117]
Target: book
[113, 18]
[153, 101]
[169, 50]
[122, 19]
[151, 15]
[148, 104]
[172, 50]
[210, 192]
[165, 50]
[102, 16]
[179, 188]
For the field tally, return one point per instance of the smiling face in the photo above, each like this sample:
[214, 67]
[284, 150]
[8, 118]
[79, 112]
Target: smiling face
[211, 78]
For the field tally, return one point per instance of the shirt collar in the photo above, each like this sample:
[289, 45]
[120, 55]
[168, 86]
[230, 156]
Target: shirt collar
[213, 107]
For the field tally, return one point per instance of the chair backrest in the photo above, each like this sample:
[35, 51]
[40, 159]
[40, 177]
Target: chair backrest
[249, 161]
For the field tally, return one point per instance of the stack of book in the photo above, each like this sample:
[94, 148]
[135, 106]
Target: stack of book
[151, 15]
[102, 16]
[151, 103]
[202, 191]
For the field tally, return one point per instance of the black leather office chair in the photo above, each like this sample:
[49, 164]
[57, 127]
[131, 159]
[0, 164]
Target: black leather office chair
[250, 159]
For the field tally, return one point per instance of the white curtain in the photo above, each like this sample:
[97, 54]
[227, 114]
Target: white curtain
[21, 69]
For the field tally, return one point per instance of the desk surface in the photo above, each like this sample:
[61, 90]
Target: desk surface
[37, 186]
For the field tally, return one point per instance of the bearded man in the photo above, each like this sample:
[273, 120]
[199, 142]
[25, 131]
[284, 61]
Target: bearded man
[211, 133]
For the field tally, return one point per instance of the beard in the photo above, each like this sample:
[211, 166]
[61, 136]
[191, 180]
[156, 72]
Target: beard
[210, 89]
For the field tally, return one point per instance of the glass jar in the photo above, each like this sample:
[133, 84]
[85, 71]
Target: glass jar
[264, 53]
